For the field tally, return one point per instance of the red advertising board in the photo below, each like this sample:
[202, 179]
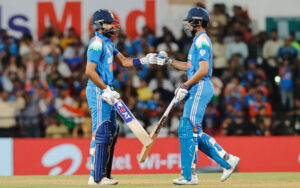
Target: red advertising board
[71, 156]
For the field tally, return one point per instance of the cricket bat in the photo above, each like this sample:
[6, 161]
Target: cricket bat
[132, 123]
[155, 131]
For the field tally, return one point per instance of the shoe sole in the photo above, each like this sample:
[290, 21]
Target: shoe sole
[188, 183]
[237, 162]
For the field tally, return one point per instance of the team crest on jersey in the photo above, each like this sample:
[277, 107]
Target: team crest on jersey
[96, 44]
[202, 52]
[202, 42]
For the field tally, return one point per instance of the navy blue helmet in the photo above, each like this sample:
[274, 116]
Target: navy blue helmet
[196, 17]
[197, 13]
[102, 16]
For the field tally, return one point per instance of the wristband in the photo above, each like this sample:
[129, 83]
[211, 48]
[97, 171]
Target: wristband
[136, 62]
[184, 86]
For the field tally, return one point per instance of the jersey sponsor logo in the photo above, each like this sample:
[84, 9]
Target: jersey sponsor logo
[96, 44]
[110, 60]
[123, 111]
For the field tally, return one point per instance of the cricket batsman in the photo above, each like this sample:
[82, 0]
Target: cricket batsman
[100, 95]
[197, 91]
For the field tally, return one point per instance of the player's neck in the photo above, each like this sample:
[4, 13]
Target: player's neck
[199, 31]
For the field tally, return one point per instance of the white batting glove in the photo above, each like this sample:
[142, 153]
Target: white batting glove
[181, 92]
[150, 58]
[163, 59]
[110, 96]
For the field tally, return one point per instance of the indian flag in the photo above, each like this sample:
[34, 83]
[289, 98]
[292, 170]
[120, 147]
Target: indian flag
[71, 116]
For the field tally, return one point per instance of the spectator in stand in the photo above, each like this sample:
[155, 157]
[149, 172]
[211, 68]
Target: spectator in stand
[234, 89]
[166, 84]
[220, 61]
[26, 46]
[73, 54]
[71, 38]
[237, 47]
[168, 45]
[270, 49]
[250, 96]
[255, 49]
[287, 51]
[144, 92]
[56, 130]
[294, 42]
[218, 23]
[247, 33]
[8, 43]
[239, 15]
[259, 103]
[237, 126]
[30, 119]
[251, 72]
[124, 45]
[9, 111]
[145, 41]
[166, 32]
[286, 85]
[235, 69]
[262, 122]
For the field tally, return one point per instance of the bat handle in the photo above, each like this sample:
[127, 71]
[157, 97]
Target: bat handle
[169, 107]
[115, 100]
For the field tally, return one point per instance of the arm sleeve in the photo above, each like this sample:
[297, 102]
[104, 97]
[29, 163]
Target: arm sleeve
[94, 50]
[203, 49]
[116, 51]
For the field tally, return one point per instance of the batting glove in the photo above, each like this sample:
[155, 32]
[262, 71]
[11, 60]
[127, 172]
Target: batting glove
[163, 59]
[110, 96]
[150, 58]
[181, 92]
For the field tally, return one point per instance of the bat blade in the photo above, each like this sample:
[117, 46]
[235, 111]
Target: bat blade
[132, 123]
[155, 131]
[153, 135]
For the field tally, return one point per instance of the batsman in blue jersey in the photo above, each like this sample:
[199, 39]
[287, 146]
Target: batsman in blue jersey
[100, 95]
[197, 91]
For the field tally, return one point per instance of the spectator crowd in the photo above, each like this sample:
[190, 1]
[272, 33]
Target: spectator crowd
[256, 80]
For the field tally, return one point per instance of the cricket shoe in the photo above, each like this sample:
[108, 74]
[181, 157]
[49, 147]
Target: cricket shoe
[92, 181]
[233, 161]
[104, 181]
[182, 181]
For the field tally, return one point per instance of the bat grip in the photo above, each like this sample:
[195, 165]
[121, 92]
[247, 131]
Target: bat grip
[169, 107]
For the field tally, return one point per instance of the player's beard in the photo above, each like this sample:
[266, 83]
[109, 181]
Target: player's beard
[190, 30]
[113, 32]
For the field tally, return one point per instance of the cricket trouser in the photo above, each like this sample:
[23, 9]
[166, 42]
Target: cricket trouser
[101, 111]
[194, 109]
[198, 98]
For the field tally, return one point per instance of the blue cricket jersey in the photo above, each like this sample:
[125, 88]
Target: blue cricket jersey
[201, 50]
[101, 51]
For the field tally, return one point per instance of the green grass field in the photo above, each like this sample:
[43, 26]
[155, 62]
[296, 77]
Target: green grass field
[158, 180]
